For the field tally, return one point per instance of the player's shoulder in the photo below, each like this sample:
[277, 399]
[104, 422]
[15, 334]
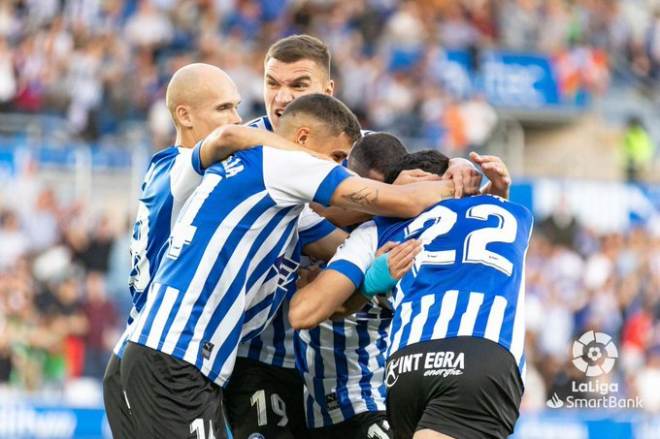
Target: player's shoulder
[167, 154]
[251, 158]
[280, 157]
[517, 209]
[262, 123]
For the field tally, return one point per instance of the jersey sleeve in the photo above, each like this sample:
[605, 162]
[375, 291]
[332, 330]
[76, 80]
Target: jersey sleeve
[357, 253]
[296, 177]
[312, 227]
[186, 173]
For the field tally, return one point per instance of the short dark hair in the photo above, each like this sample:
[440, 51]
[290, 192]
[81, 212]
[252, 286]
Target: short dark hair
[429, 160]
[298, 47]
[335, 116]
[377, 152]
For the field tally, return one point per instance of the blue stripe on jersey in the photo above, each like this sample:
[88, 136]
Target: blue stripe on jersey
[506, 333]
[405, 333]
[434, 310]
[231, 342]
[226, 350]
[329, 184]
[272, 300]
[381, 344]
[341, 363]
[271, 269]
[256, 344]
[214, 276]
[348, 269]
[238, 284]
[461, 307]
[279, 335]
[197, 159]
[364, 341]
[319, 389]
[480, 324]
[263, 123]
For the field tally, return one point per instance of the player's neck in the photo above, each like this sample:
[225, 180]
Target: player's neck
[184, 140]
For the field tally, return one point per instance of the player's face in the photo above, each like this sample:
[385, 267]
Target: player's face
[219, 107]
[285, 82]
[335, 147]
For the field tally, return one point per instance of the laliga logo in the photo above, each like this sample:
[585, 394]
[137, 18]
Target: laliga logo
[594, 353]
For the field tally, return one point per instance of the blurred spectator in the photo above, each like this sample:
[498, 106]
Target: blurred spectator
[149, 28]
[101, 337]
[519, 23]
[638, 149]
[648, 381]
[94, 254]
[480, 121]
[7, 75]
[42, 223]
[68, 320]
[15, 243]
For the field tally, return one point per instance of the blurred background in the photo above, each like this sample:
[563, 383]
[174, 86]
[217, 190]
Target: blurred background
[566, 92]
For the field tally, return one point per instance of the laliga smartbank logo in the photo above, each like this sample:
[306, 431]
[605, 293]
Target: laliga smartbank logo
[594, 354]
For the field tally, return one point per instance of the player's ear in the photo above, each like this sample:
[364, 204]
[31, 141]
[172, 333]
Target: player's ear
[183, 116]
[330, 88]
[302, 135]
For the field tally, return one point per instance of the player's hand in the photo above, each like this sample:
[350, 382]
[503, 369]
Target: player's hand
[494, 169]
[386, 248]
[415, 175]
[466, 178]
[402, 257]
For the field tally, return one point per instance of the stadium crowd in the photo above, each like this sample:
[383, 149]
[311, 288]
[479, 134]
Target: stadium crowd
[63, 295]
[389, 56]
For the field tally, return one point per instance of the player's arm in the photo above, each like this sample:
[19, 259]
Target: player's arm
[341, 217]
[324, 249]
[382, 199]
[464, 175]
[229, 139]
[316, 301]
[333, 293]
[392, 262]
[497, 173]
[327, 184]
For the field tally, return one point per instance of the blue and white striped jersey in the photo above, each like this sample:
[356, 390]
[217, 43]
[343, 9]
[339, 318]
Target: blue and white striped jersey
[262, 123]
[352, 377]
[343, 366]
[172, 176]
[469, 280]
[233, 235]
[274, 345]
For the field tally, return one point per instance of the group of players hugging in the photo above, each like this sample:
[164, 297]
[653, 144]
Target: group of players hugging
[298, 277]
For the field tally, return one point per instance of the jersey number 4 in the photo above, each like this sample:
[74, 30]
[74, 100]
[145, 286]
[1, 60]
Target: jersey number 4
[474, 247]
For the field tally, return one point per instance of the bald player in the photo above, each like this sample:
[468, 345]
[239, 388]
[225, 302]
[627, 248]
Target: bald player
[203, 102]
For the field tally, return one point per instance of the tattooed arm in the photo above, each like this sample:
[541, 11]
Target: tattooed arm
[382, 199]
